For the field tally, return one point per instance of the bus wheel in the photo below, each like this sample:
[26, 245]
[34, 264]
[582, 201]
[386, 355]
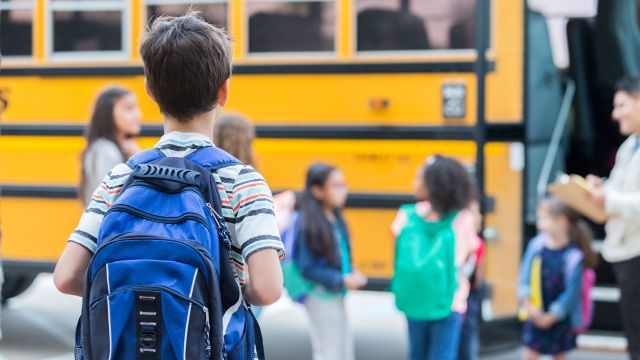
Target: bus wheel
[15, 285]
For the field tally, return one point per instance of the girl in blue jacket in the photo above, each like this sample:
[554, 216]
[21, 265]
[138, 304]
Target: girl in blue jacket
[550, 299]
[323, 257]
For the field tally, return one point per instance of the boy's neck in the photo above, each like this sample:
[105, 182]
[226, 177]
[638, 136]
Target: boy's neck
[201, 124]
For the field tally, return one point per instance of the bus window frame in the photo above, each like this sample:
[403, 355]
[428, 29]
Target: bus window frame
[23, 5]
[427, 54]
[147, 3]
[123, 6]
[292, 55]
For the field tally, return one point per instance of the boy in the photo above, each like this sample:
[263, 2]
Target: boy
[187, 66]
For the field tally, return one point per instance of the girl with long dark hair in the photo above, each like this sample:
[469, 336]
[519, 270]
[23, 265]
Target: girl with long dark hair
[323, 255]
[109, 137]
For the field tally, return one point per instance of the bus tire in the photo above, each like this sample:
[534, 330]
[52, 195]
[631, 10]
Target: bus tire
[15, 285]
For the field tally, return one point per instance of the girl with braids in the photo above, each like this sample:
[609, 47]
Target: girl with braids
[323, 256]
[551, 280]
[114, 123]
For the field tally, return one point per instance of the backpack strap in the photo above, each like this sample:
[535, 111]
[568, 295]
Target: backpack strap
[213, 158]
[144, 157]
[259, 342]
[572, 258]
[209, 157]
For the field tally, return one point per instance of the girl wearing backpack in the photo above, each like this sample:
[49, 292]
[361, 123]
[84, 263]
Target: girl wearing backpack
[434, 239]
[554, 282]
[114, 123]
[323, 257]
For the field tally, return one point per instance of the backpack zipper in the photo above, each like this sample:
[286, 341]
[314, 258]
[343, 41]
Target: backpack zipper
[104, 297]
[158, 218]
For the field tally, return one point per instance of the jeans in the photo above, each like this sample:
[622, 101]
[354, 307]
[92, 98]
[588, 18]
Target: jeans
[435, 339]
[627, 278]
[469, 343]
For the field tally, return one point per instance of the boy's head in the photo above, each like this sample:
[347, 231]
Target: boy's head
[187, 63]
[626, 105]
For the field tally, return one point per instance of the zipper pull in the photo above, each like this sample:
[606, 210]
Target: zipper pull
[207, 330]
[213, 213]
[223, 232]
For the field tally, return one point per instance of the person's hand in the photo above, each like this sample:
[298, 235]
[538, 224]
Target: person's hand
[354, 280]
[544, 321]
[594, 180]
[598, 198]
[533, 311]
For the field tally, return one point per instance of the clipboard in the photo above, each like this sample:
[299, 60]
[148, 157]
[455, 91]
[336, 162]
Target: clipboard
[574, 190]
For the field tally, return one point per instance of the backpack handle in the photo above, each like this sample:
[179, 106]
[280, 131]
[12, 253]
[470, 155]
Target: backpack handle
[161, 172]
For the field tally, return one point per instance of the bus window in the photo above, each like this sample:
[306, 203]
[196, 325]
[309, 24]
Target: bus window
[387, 25]
[213, 11]
[291, 26]
[16, 20]
[88, 27]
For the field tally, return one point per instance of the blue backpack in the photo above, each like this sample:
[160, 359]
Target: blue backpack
[160, 285]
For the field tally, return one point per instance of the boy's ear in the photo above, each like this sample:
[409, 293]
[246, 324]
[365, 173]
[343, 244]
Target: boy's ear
[146, 88]
[223, 94]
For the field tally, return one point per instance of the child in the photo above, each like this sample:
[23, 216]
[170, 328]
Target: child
[323, 256]
[234, 134]
[435, 238]
[114, 123]
[197, 56]
[469, 342]
[550, 280]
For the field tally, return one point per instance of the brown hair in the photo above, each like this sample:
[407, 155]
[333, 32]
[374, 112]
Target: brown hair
[234, 134]
[186, 61]
[102, 126]
[579, 231]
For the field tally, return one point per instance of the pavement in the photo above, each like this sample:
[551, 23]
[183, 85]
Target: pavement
[40, 325]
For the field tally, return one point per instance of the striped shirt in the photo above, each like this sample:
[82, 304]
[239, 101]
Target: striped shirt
[247, 203]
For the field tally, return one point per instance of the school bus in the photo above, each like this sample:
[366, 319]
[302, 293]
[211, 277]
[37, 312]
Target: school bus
[372, 86]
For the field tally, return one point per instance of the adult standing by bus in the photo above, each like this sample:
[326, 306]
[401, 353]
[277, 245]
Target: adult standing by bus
[619, 196]
[110, 137]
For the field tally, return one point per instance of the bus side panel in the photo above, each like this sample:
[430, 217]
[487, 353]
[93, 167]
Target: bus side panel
[329, 99]
[37, 229]
[374, 166]
[503, 177]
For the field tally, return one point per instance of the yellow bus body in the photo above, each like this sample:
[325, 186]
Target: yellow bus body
[47, 97]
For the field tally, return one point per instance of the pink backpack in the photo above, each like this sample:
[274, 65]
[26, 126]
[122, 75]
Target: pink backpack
[588, 281]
